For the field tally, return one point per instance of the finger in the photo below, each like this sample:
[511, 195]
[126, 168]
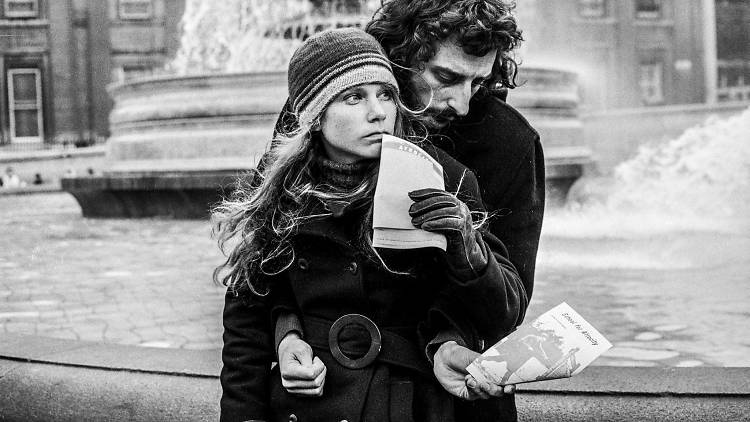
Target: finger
[314, 388]
[305, 385]
[312, 392]
[296, 372]
[509, 389]
[475, 388]
[439, 221]
[306, 391]
[434, 206]
[431, 204]
[420, 194]
[491, 389]
[319, 366]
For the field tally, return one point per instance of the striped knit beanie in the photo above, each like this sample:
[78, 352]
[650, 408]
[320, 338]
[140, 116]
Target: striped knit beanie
[330, 62]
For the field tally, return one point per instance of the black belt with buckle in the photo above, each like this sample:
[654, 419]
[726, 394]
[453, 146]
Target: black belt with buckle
[376, 341]
[385, 344]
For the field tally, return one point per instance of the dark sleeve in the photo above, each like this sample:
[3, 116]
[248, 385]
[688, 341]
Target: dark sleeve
[249, 328]
[490, 305]
[247, 355]
[518, 219]
[285, 323]
[505, 153]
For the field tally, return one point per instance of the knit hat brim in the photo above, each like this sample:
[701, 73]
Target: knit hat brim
[329, 89]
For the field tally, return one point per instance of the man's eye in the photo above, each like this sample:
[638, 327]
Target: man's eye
[445, 78]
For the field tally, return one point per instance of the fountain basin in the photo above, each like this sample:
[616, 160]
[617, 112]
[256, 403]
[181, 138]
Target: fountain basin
[66, 380]
[178, 143]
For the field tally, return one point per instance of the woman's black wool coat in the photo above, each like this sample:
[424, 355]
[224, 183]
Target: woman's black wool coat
[330, 278]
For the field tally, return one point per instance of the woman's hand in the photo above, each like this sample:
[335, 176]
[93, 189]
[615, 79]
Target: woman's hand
[449, 366]
[301, 373]
[436, 210]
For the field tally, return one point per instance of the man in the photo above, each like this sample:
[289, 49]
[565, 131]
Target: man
[449, 57]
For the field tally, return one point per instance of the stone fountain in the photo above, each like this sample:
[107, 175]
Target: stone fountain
[178, 142]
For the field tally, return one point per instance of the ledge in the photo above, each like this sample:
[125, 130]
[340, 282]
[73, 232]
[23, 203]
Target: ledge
[186, 195]
[52, 154]
[31, 189]
[52, 379]
[46, 379]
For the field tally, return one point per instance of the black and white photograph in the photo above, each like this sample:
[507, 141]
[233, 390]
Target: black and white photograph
[374, 210]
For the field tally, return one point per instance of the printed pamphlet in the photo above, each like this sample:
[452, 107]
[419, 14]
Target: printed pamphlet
[404, 167]
[558, 344]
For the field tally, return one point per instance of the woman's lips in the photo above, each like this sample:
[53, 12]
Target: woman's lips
[377, 136]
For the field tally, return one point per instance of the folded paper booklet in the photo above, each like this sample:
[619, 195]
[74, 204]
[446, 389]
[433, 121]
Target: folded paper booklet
[558, 344]
[404, 167]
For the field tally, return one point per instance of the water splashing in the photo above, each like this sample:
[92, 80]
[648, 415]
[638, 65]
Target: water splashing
[697, 182]
[256, 35]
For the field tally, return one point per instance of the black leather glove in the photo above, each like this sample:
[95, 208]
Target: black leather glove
[436, 210]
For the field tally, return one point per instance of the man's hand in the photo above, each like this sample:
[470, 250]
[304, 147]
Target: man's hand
[301, 373]
[450, 365]
[436, 210]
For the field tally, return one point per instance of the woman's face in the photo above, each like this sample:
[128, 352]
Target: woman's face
[354, 123]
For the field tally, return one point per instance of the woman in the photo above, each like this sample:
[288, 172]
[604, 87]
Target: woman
[302, 246]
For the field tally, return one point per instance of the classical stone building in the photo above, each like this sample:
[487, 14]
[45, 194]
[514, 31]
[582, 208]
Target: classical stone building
[733, 49]
[58, 56]
[632, 53]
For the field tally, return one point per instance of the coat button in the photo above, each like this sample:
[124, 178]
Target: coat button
[303, 265]
[352, 268]
[292, 418]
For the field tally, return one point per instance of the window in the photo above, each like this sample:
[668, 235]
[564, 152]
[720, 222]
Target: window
[650, 82]
[25, 105]
[134, 9]
[21, 8]
[648, 9]
[134, 71]
[734, 80]
[592, 8]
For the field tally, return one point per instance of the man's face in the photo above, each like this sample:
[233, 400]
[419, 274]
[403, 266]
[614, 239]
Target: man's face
[448, 81]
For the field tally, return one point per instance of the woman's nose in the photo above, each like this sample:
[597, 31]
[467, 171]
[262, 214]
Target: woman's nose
[377, 111]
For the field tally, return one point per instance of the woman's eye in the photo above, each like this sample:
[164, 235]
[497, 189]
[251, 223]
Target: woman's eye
[352, 98]
[386, 96]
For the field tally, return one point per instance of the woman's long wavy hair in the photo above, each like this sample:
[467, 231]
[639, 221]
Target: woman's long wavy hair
[264, 210]
[408, 30]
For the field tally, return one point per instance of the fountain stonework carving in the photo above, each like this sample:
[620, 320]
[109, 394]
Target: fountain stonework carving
[177, 143]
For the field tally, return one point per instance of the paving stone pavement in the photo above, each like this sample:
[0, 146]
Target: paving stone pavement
[139, 282]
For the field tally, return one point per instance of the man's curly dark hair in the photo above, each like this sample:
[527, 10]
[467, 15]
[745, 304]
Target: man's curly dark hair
[409, 29]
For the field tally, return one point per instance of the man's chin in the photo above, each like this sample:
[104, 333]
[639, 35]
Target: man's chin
[436, 123]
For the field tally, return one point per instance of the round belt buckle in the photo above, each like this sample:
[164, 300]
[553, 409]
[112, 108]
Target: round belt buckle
[375, 341]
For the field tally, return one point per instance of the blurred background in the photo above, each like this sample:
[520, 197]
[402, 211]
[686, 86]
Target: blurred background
[642, 106]
[61, 55]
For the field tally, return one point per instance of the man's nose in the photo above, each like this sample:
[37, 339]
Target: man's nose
[459, 99]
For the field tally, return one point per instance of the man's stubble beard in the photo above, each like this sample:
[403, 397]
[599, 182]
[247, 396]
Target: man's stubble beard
[434, 118]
